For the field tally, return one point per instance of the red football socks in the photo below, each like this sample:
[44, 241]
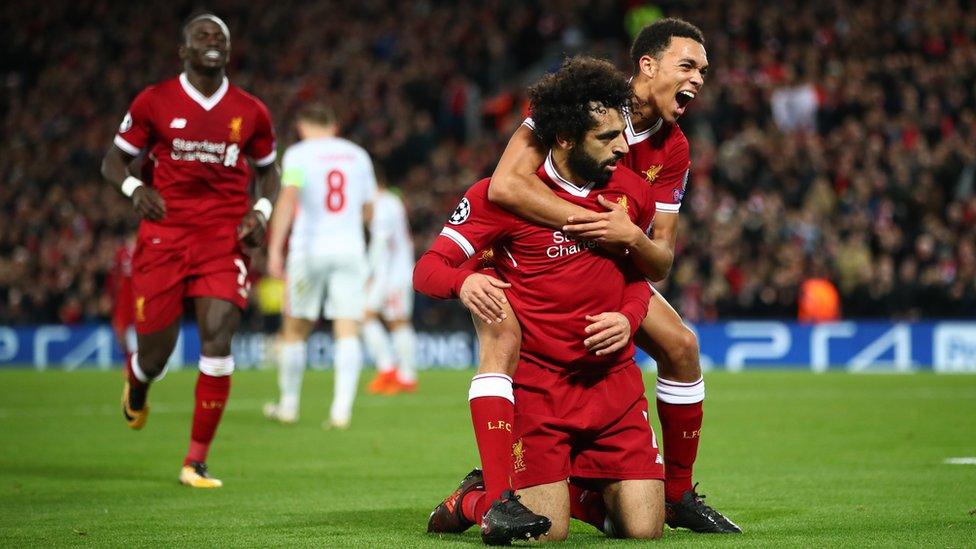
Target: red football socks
[587, 506]
[679, 406]
[473, 502]
[211, 397]
[492, 413]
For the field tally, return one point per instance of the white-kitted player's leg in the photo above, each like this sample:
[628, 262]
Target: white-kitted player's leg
[305, 292]
[378, 342]
[399, 311]
[405, 343]
[346, 303]
[292, 358]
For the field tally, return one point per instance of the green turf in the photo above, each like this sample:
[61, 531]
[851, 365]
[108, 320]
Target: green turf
[797, 459]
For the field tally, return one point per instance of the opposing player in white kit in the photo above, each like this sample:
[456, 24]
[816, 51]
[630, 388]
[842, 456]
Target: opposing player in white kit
[331, 184]
[389, 297]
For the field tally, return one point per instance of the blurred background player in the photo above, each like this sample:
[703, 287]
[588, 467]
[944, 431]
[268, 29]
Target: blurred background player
[203, 133]
[389, 296]
[119, 283]
[669, 63]
[328, 193]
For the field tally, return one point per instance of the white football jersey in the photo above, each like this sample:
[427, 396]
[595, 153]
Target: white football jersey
[390, 247]
[335, 178]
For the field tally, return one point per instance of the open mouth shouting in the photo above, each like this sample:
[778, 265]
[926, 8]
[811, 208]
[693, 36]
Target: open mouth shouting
[683, 98]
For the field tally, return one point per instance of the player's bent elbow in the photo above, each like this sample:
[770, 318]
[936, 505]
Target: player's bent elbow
[502, 191]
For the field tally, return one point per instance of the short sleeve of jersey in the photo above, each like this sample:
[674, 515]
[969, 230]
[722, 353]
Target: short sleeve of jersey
[670, 185]
[135, 131]
[476, 223]
[292, 172]
[261, 147]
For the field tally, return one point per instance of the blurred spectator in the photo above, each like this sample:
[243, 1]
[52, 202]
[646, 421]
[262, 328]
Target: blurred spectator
[839, 131]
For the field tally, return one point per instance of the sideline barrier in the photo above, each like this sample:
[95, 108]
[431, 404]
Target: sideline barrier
[735, 346]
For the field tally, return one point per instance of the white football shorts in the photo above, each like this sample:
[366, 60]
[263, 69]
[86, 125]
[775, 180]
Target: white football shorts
[330, 286]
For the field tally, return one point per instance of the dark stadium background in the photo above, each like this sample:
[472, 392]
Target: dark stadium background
[876, 186]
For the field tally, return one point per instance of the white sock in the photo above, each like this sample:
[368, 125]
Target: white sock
[405, 343]
[348, 363]
[378, 344]
[142, 376]
[292, 357]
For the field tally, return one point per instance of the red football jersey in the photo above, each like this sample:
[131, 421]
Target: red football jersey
[199, 145]
[556, 281]
[661, 156]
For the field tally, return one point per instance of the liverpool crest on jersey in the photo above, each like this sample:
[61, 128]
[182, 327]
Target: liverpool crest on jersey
[651, 173]
[235, 128]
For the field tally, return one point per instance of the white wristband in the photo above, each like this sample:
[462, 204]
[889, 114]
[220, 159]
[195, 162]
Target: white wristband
[263, 205]
[130, 185]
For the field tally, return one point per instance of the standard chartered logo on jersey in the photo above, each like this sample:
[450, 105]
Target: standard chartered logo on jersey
[564, 245]
[209, 152]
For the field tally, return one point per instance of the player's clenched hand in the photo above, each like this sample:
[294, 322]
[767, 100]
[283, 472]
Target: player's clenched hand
[484, 295]
[251, 230]
[612, 229]
[148, 203]
[607, 333]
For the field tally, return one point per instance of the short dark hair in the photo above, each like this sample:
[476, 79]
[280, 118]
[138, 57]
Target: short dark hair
[561, 101]
[317, 113]
[655, 38]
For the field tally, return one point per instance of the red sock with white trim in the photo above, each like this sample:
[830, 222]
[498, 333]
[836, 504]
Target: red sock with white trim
[679, 405]
[213, 388]
[492, 404]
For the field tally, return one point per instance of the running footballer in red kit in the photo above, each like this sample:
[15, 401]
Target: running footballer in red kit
[669, 64]
[197, 218]
[579, 409]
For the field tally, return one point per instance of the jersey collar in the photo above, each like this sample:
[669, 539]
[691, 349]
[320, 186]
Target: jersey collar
[564, 183]
[633, 137]
[207, 103]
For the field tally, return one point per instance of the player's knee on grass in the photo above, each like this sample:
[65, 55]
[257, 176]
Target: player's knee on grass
[499, 344]
[635, 508]
[552, 501]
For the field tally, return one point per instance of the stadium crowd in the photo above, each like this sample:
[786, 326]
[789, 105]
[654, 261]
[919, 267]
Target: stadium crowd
[831, 139]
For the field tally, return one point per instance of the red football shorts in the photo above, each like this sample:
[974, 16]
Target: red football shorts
[172, 264]
[570, 425]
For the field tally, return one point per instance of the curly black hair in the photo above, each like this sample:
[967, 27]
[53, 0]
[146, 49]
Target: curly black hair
[562, 102]
[656, 37]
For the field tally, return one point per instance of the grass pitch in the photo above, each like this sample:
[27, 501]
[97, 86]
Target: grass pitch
[798, 460]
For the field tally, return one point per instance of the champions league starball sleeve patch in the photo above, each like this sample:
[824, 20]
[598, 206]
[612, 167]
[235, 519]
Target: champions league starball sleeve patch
[461, 213]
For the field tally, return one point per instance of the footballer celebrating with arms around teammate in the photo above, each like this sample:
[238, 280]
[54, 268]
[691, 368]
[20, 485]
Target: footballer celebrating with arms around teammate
[670, 65]
[196, 219]
[577, 414]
